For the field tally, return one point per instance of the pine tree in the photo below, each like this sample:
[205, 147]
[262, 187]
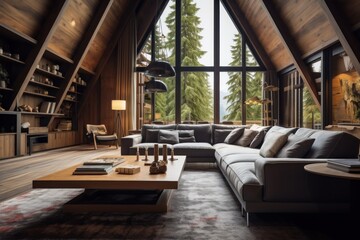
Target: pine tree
[234, 83]
[196, 100]
[253, 85]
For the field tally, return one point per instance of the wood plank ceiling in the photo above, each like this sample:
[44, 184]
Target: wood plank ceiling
[306, 22]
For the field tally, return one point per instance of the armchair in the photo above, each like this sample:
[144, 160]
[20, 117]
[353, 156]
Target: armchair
[99, 134]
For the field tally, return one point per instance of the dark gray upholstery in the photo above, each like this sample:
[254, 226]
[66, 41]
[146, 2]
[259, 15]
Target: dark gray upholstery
[202, 132]
[154, 126]
[271, 184]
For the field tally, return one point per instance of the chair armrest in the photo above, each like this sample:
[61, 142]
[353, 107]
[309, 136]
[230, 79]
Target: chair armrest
[285, 179]
[128, 141]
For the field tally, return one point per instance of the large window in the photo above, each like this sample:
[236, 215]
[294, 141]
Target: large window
[211, 58]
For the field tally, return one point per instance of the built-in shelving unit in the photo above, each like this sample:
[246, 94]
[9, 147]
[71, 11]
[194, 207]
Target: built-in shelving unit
[43, 88]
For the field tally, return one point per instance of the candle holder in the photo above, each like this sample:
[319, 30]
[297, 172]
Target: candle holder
[172, 158]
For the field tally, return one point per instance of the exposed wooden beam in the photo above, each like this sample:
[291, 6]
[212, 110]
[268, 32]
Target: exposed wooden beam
[47, 30]
[108, 51]
[292, 47]
[147, 16]
[344, 31]
[232, 6]
[94, 26]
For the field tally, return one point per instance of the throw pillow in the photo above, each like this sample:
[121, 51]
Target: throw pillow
[234, 135]
[220, 135]
[186, 136]
[258, 139]
[296, 147]
[273, 142]
[246, 138]
[151, 135]
[167, 136]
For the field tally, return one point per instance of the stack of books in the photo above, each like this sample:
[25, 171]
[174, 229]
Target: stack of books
[105, 161]
[92, 170]
[65, 125]
[345, 165]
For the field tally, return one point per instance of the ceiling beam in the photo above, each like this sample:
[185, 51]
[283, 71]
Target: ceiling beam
[130, 10]
[236, 11]
[292, 48]
[146, 17]
[48, 28]
[344, 31]
[81, 51]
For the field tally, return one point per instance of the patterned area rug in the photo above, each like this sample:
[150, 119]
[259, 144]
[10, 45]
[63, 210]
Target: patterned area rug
[202, 208]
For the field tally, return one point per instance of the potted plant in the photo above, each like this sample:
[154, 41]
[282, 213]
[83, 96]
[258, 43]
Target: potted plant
[4, 77]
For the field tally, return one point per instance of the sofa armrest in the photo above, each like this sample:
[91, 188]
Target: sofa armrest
[128, 141]
[285, 179]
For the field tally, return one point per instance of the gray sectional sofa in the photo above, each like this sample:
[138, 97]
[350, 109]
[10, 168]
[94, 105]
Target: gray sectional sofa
[262, 181]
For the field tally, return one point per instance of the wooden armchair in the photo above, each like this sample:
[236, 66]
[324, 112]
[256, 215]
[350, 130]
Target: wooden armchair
[99, 134]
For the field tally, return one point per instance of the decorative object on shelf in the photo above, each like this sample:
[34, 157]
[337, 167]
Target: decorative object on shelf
[25, 108]
[4, 77]
[117, 106]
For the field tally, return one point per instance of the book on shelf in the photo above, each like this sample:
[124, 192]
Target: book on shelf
[105, 161]
[345, 165]
[45, 107]
[92, 169]
[52, 109]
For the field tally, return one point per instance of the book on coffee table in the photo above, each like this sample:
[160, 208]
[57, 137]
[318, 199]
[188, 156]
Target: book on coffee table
[346, 165]
[105, 161]
[92, 169]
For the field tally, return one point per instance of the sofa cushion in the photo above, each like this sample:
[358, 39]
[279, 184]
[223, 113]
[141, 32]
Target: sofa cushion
[296, 147]
[333, 144]
[246, 138]
[258, 139]
[168, 136]
[202, 132]
[243, 178]
[152, 135]
[234, 135]
[214, 127]
[273, 142]
[284, 130]
[145, 127]
[220, 135]
[237, 157]
[196, 149]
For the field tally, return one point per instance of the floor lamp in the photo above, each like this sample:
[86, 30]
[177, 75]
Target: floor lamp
[118, 106]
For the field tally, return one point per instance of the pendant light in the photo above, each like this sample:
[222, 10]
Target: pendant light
[155, 85]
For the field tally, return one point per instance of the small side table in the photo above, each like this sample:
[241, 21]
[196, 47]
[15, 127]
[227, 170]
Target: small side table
[354, 178]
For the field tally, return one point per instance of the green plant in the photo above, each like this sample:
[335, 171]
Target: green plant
[4, 75]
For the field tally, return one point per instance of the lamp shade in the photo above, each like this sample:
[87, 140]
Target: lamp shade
[155, 85]
[159, 69]
[118, 105]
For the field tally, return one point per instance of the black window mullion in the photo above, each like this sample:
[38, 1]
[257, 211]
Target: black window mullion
[178, 62]
[216, 89]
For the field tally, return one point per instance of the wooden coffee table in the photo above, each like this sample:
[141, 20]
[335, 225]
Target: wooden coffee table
[140, 192]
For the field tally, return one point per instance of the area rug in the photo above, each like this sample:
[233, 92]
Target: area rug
[202, 208]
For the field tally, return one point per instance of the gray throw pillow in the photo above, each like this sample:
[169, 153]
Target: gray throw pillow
[273, 142]
[258, 139]
[246, 138]
[234, 135]
[151, 135]
[167, 136]
[186, 136]
[220, 135]
[296, 147]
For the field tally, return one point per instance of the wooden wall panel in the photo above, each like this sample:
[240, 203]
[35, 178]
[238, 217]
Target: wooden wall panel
[25, 16]
[67, 37]
[267, 35]
[307, 23]
[104, 34]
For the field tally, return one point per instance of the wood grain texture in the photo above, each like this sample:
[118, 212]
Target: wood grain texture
[17, 174]
[26, 16]
[67, 37]
[103, 37]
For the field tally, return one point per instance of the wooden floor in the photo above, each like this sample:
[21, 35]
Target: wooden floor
[17, 174]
